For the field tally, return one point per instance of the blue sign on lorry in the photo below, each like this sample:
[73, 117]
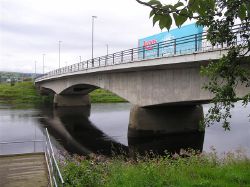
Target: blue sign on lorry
[177, 41]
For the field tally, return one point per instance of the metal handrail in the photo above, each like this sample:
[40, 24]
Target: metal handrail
[165, 48]
[55, 175]
[26, 141]
[53, 168]
[4, 143]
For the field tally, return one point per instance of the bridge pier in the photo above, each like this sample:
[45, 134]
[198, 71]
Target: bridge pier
[171, 127]
[71, 100]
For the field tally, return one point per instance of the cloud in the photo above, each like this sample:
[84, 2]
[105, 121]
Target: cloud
[31, 28]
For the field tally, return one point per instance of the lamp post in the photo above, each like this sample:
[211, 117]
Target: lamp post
[80, 58]
[43, 62]
[93, 17]
[59, 42]
[35, 69]
[107, 49]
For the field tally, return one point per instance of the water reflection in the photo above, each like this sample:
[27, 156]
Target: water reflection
[170, 143]
[78, 134]
[110, 121]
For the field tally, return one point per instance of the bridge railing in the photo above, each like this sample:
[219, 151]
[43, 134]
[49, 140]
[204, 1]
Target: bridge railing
[180, 46]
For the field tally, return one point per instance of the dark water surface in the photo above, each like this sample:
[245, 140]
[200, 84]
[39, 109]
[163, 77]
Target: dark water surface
[103, 129]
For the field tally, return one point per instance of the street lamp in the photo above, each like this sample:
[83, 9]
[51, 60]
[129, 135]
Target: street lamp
[43, 62]
[35, 69]
[93, 17]
[59, 42]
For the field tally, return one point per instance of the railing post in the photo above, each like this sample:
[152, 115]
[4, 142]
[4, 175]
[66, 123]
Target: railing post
[87, 64]
[158, 49]
[113, 58]
[99, 61]
[132, 54]
[143, 52]
[196, 42]
[174, 46]
[122, 56]
[106, 60]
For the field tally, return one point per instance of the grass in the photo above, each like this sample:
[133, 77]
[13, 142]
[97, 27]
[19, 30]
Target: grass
[104, 96]
[22, 95]
[194, 171]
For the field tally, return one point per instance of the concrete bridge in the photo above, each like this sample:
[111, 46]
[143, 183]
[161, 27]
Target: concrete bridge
[165, 90]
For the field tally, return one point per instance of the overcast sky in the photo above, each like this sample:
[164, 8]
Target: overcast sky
[30, 28]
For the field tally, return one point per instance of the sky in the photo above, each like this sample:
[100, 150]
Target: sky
[31, 28]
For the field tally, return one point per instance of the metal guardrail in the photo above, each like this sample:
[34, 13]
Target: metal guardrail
[193, 44]
[55, 175]
[34, 148]
[54, 172]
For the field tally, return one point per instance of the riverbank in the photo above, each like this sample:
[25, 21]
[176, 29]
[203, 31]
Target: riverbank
[24, 95]
[206, 170]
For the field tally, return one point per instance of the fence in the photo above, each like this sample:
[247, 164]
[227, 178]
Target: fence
[54, 172]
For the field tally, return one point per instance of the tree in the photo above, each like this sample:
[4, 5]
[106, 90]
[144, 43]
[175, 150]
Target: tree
[219, 16]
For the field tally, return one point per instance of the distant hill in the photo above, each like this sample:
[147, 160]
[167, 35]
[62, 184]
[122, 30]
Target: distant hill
[17, 76]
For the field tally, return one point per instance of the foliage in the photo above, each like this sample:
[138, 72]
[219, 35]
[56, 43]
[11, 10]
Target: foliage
[220, 17]
[196, 170]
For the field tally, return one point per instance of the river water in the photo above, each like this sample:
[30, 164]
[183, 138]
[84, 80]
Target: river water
[101, 129]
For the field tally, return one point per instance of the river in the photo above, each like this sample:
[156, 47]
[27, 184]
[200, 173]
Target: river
[102, 129]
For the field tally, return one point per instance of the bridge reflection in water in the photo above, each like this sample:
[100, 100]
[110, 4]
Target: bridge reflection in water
[77, 134]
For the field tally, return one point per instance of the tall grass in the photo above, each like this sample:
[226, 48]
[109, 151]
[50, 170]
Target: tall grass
[195, 171]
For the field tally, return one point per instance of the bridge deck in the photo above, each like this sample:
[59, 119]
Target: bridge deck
[23, 170]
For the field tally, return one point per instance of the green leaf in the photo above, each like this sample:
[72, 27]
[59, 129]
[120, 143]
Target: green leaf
[155, 2]
[242, 12]
[151, 13]
[193, 5]
[178, 4]
[180, 19]
[210, 4]
[156, 18]
[165, 22]
[248, 8]
[202, 8]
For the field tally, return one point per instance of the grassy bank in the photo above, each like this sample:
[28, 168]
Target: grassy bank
[104, 96]
[22, 95]
[195, 171]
